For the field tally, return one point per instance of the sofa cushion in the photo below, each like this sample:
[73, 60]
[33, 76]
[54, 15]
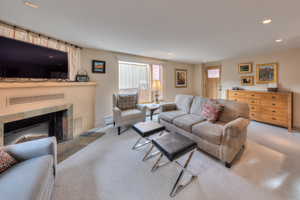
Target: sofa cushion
[6, 161]
[187, 121]
[197, 105]
[132, 114]
[211, 132]
[171, 115]
[183, 102]
[27, 180]
[233, 110]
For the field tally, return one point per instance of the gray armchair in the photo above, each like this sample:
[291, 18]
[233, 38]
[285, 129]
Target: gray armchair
[127, 111]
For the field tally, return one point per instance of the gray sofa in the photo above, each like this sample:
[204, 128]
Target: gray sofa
[223, 139]
[33, 177]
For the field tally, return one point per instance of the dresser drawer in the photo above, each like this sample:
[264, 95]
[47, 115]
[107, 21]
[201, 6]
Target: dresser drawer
[254, 116]
[274, 104]
[254, 108]
[254, 95]
[275, 97]
[233, 94]
[274, 111]
[275, 120]
[253, 101]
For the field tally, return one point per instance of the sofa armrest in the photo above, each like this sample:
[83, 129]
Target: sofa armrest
[235, 127]
[142, 108]
[167, 107]
[33, 149]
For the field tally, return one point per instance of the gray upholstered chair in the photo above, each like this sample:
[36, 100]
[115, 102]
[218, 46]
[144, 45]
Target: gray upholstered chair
[127, 111]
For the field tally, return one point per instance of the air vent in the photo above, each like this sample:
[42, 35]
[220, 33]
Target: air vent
[33, 99]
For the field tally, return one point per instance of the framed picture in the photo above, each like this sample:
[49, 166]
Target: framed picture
[247, 80]
[180, 78]
[98, 66]
[266, 73]
[245, 68]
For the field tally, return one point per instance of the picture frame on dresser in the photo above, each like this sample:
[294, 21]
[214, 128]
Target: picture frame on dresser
[267, 73]
[247, 80]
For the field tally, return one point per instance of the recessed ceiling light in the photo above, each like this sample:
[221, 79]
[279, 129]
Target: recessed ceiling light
[31, 4]
[266, 21]
[279, 40]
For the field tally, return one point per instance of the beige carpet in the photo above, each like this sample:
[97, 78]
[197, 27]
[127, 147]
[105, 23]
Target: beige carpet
[108, 169]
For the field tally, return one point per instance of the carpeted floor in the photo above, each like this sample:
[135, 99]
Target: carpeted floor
[108, 169]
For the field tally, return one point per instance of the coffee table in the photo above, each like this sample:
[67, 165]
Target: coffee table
[146, 130]
[174, 146]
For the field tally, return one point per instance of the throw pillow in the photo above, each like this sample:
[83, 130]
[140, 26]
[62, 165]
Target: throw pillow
[212, 110]
[6, 161]
[127, 101]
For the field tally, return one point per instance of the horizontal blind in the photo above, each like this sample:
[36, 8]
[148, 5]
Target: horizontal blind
[133, 75]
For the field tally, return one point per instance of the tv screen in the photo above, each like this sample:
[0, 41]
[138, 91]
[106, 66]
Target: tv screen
[24, 60]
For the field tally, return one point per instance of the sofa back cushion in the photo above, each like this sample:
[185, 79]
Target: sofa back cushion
[197, 105]
[233, 110]
[183, 102]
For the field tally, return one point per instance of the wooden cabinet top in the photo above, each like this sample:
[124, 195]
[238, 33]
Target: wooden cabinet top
[262, 92]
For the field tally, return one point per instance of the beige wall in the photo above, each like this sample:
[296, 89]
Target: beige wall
[82, 98]
[198, 82]
[289, 74]
[107, 83]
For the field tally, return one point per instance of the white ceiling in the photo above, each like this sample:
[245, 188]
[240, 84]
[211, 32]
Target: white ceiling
[191, 31]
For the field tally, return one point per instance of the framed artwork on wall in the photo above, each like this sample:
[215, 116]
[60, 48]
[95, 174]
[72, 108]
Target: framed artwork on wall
[181, 78]
[98, 66]
[266, 73]
[245, 68]
[247, 80]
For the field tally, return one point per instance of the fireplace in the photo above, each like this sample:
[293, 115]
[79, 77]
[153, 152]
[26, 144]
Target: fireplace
[35, 128]
[37, 122]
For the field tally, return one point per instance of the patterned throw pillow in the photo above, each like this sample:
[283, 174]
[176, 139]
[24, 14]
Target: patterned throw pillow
[212, 110]
[127, 101]
[6, 161]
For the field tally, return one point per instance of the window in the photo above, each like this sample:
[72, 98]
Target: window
[213, 73]
[138, 77]
[133, 75]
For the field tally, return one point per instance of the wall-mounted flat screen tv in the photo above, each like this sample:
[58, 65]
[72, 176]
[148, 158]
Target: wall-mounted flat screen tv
[24, 60]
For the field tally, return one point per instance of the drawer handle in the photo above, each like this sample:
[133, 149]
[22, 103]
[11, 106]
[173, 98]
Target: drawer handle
[274, 111]
[253, 95]
[252, 101]
[273, 97]
[273, 104]
[273, 118]
[252, 108]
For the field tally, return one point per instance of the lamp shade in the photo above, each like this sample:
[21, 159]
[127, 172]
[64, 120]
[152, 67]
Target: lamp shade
[156, 86]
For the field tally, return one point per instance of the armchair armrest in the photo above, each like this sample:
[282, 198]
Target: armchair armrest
[116, 113]
[235, 127]
[167, 107]
[142, 108]
[35, 148]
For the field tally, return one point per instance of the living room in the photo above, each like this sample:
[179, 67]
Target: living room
[149, 100]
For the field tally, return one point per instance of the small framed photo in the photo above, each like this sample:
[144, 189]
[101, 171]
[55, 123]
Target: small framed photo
[247, 80]
[245, 68]
[180, 78]
[98, 66]
[266, 73]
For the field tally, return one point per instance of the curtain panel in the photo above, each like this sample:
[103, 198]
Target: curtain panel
[37, 39]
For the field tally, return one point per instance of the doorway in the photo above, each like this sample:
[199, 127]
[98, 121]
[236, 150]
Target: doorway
[213, 79]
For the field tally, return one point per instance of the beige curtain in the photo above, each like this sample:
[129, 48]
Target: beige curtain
[27, 36]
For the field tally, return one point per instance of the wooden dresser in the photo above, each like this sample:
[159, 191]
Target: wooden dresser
[269, 107]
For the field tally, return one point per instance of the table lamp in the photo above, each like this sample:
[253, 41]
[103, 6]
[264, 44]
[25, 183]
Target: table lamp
[156, 87]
